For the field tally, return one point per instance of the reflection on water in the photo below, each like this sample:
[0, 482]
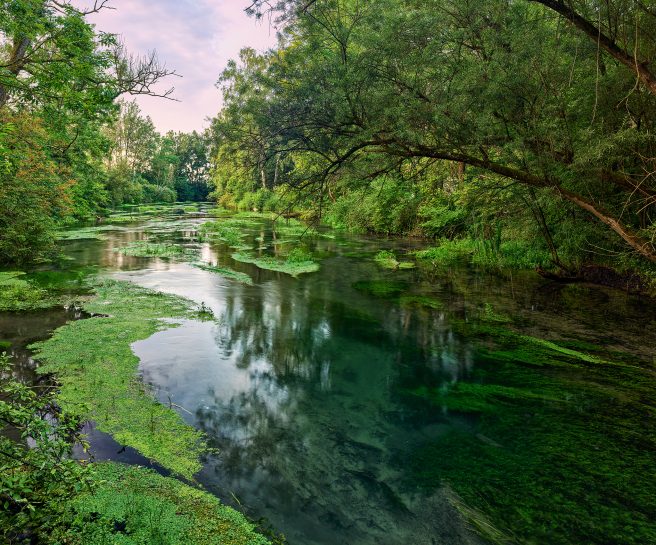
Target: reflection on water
[303, 384]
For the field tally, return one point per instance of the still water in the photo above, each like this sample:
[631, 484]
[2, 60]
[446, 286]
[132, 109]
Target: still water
[359, 405]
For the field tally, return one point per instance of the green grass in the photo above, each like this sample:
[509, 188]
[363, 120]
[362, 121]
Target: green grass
[98, 373]
[298, 262]
[225, 271]
[18, 294]
[136, 506]
[154, 249]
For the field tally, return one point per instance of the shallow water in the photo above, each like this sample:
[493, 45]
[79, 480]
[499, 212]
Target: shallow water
[328, 395]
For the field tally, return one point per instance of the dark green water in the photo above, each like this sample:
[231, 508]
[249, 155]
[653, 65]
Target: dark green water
[359, 405]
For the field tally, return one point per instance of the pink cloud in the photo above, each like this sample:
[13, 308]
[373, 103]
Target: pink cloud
[194, 37]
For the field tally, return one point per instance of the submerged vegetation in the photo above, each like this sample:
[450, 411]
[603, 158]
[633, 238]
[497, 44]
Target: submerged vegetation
[508, 134]
[551, 437]
[98, 379]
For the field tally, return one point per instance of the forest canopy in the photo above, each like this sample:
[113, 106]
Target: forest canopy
[523, 122]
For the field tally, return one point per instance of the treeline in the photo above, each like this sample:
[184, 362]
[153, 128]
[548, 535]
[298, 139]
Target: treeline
[70, 149]
[519, 131]
[145, 166]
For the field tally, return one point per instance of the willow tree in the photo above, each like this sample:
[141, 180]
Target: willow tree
[510, 89]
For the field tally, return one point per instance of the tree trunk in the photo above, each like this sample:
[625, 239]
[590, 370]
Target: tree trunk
[606, 43]
[15, 65]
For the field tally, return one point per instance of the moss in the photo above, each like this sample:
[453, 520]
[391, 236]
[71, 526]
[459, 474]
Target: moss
[227, 272]
[97, 372]
[420, 301]
[136, 506]
[19, 294]
[154, 249]
[291, 267]
[386, 289]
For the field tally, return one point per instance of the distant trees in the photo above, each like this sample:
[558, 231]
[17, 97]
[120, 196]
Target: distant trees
[144, 166]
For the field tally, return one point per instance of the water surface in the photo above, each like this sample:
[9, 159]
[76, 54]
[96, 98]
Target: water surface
[359, 405]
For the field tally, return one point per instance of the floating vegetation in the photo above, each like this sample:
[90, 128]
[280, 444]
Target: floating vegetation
[17, 294]
[386, 289]
[133, 505]
[298, 262]
[223, 231]
[86, 233]
[388, 260]
[294, 228]
[97, 373]
[154, 249]
[225, 271]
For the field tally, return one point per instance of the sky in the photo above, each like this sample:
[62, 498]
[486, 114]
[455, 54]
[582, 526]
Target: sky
[196, 38]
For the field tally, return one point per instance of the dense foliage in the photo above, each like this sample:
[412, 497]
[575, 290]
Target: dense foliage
[502, 122]
[61, 127]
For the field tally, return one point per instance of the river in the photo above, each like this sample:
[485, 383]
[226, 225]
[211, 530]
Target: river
[360, 405]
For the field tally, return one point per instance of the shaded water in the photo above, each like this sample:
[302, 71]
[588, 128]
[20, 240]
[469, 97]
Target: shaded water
[358, 405]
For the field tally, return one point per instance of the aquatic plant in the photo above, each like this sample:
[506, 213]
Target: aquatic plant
[297, 264]
[18, 294]
[388, 260]
[223, 231]
[97, 372]
[386, 289]
[549, 436]
[225, 271]
[154, 249]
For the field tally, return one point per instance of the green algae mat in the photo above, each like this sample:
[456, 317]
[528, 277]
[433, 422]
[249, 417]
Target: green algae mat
[94, 364]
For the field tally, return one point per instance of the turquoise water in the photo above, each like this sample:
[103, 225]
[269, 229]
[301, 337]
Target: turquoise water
[360, 405]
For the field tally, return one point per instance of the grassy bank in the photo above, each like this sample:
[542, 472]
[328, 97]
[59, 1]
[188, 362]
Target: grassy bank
[130, 505]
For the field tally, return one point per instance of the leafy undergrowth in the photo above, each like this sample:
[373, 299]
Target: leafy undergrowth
[97, 371]
[566, 430]
[388, 260]
[155, 249]
[136, 506]
[297, 262]
[17, 294]
[226, 272]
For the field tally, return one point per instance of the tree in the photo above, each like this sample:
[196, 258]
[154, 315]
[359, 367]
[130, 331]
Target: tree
[58, 82]
[498, 86]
